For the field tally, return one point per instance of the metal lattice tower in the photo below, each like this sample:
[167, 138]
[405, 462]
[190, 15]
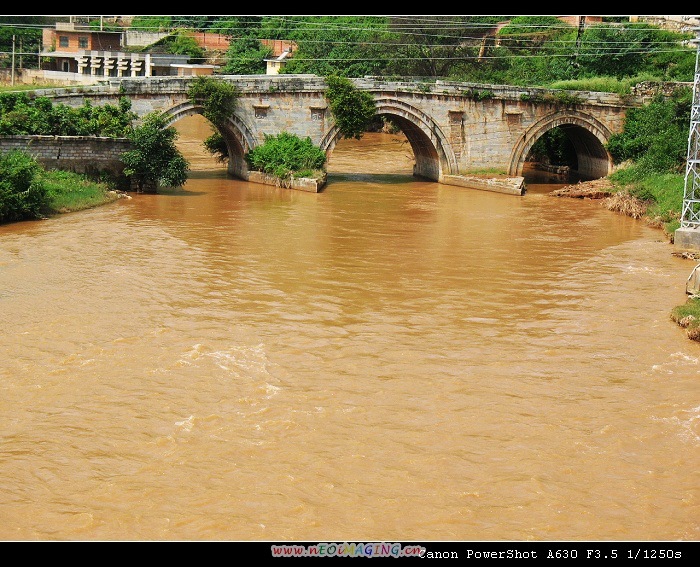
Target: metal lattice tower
[690, 216]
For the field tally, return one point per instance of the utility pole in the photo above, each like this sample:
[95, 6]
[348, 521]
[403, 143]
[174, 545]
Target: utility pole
[13, 62]
[688, 235]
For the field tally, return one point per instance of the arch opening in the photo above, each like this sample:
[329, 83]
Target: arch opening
[425, 140]
[569, 144]
[236, 137]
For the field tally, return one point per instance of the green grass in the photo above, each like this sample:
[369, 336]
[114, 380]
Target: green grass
[688, 317]
[494, 171]
[6, 88]
[662, 192]
[70, 192]
[603, 84]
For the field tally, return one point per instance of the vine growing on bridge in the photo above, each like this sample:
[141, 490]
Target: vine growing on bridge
[352, 109]
[217, 98]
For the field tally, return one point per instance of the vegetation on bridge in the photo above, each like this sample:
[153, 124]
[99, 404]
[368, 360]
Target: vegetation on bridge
[217, 99]
[353, 110]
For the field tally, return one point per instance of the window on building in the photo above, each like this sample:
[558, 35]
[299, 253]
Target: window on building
[83, 42]
[63, 41]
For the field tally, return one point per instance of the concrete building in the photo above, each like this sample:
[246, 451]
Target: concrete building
[86, 55]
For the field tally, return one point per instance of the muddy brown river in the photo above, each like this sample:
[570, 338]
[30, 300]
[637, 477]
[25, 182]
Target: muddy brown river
[387, 360]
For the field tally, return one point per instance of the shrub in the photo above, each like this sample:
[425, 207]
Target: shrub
[154, 160]
[655, 136]
[284, 155]
[22, 196]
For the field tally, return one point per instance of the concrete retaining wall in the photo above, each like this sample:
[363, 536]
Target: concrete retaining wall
[300, 183]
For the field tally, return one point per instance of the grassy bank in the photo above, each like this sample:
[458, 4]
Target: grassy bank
[688, 317]
[657, 198]
[69, 192]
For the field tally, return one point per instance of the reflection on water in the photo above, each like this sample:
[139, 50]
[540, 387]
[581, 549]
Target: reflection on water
[387, 360]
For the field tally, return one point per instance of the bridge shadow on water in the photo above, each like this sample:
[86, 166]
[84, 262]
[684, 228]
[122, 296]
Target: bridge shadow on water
[375, 178]
[179, 192]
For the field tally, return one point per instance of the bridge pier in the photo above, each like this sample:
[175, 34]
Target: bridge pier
[508, 185]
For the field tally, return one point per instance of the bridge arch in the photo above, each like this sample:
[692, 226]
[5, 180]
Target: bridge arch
[431, 149]
[237, 136]
[587, 135]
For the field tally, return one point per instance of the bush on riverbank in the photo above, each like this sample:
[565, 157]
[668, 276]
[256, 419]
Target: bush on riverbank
[22, 195]
[285, 155]
[28, 192]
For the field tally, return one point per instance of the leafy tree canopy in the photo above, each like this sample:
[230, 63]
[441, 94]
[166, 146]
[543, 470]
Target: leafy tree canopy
[154, 160]
[246, 56]
[350, 46]
[352, 109]
[655, 136]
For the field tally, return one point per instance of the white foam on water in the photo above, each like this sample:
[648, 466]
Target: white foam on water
[186, 424]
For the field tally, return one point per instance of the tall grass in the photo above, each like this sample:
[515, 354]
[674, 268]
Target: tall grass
[70, 191]
[604, 84]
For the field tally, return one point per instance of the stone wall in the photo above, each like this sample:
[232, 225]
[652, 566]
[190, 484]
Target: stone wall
[80, 154]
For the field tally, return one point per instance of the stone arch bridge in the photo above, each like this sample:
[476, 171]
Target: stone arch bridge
[454, 129]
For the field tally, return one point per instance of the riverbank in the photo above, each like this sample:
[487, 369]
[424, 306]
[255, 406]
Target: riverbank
[613, 199]
[69, 192]
[620, 200]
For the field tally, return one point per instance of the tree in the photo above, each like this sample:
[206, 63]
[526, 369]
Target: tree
[26, 31]
[432, 46]
[182, 43]
[246, 56]
[620, 51]
[154, 160]
[349, 46]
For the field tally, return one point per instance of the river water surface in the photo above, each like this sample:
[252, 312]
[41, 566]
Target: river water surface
[388, 359]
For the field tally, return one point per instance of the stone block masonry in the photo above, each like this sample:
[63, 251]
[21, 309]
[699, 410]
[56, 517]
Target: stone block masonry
[80, 154]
